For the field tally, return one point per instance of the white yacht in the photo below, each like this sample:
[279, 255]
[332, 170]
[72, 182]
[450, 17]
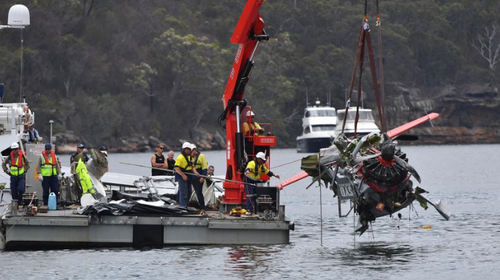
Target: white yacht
[318, 128]
[366, 122]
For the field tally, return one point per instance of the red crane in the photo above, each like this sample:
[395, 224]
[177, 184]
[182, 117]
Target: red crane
[249, 32]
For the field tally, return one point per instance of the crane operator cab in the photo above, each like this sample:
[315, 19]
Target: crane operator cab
[258, 136]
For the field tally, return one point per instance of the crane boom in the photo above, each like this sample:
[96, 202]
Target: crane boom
[249, 32]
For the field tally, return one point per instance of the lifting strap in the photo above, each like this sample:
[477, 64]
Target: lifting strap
[364, 38]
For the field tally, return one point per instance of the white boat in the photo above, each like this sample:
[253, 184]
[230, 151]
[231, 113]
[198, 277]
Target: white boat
[318, 128]
[366, 122]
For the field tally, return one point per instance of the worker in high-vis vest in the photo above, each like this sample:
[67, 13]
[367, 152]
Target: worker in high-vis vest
[253, 172]
[251, 127]
[200, 164]
[49, 172]
[182, 166]
[16, 165]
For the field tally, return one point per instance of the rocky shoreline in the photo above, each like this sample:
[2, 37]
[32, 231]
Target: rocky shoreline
[468, 115]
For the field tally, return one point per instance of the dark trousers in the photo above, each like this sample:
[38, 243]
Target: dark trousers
[17, 188]
[184, 192]
[50, 184]
[198, 189]
[250, 193]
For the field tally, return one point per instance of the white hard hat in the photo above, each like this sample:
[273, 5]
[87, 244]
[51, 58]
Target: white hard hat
[193, 146]
[14, 145]
[250, 114]
[261, 155]
[186, 145]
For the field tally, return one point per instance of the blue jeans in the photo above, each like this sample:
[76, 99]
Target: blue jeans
[250, 193]
[17, 188]
[50, 184]
[184, 192]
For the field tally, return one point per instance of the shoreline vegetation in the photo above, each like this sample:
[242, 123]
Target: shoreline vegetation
[112, 72]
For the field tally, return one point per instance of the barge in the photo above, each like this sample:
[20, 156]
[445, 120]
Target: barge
[62, 229]
[25, 229]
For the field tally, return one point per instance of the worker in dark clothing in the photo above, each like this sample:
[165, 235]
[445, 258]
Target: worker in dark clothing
[253, 172]
[79, 153]
[171, 163]
[16, 165]
[158, 162]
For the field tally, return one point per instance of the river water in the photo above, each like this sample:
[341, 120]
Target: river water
[464, 177]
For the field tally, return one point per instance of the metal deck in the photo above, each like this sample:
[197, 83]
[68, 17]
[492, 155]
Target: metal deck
[63, 229]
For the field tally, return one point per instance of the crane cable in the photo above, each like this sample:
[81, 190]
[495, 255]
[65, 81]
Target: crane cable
[383, 119]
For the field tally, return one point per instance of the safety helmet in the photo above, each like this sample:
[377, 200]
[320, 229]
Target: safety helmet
[193, 146]
[250, 114]
[48, 146]
[186, 145]
[14, 146]
[261, 155]
[80, 146]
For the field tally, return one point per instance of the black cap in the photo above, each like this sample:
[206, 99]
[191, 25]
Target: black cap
[81, 146]
[103, 148]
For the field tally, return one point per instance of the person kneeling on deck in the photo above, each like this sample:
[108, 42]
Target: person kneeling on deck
[50, 173]
[182, 166]
[16, 165]
[253, 171]
[201, 166]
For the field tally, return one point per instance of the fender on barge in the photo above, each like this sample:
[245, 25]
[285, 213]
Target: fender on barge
[61, 229]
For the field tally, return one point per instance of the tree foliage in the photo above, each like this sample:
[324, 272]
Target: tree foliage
[112, 69]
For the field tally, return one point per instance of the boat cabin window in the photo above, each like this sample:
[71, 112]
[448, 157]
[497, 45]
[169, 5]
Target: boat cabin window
[363, 116]
[307, 130]
[323, 127]
[320, 113]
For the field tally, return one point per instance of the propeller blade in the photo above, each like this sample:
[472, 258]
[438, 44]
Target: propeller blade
[293, 179]
[405, 127]
[438, 206]
[408, 167]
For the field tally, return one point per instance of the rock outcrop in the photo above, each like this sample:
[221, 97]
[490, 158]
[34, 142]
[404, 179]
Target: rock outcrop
[468, 115]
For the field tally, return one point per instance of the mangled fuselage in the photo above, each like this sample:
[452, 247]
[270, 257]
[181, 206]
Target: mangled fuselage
[371, 171]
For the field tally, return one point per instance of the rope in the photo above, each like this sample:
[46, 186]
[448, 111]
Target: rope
[277, 166]
[19, 219]
[188, 173]
[320, 209]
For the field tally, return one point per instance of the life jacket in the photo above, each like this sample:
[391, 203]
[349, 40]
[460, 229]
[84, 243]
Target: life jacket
[16, 164]
[253, 129]
[257, 171]
[189, 164]
[49, 165]
[197, 165]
